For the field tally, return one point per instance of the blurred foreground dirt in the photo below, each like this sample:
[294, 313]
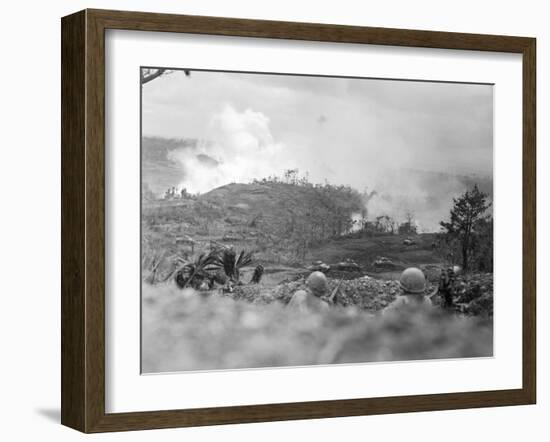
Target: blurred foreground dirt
[188, 330]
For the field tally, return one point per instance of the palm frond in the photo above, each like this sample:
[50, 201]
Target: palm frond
[244, 259]
[188, 271]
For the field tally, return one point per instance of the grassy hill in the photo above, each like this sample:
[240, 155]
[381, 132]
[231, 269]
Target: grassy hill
[286, 226]
[279, 220]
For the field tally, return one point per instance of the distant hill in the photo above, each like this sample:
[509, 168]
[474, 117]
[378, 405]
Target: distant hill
[298, 214]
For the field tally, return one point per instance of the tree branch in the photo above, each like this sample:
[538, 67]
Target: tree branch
[151, 77]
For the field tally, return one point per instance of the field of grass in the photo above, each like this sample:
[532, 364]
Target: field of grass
[364, 250]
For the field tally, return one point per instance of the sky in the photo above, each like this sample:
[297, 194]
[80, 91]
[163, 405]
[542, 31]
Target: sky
[367, 133]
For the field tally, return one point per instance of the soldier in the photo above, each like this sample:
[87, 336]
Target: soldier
[413, 287]
[447, 287]
[306, 301]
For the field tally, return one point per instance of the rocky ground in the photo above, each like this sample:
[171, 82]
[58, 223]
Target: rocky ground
[474, 293]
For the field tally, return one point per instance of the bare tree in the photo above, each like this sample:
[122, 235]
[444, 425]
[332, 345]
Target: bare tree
[408, 227]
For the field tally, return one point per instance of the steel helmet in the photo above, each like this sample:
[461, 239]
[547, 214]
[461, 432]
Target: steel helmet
[412, 280]
[317, 283]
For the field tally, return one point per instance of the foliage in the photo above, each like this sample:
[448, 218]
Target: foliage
[481, 252]
[227, 262]
[194, 274]
[312, 212]
[408, 227]
[232, 264]
[202, 272]
[469, 230]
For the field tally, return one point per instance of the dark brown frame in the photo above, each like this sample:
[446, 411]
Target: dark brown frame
[83, 217]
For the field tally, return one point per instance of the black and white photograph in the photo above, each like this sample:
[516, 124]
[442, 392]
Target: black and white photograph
[302, 220]
[268, 221]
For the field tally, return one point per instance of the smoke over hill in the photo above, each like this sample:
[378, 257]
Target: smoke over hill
[426, 195]
[201, 166]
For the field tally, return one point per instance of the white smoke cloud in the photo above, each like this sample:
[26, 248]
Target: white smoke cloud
[427, 196]
[242, 147]
[412, 142]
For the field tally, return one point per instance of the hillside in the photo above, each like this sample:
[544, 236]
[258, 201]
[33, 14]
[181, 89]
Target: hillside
[255, 208]
[288, 227]
[280, 222]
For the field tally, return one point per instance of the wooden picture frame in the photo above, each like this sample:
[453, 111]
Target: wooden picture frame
[83, 220]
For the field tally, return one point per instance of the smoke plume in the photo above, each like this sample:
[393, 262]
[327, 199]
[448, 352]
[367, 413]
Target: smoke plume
[240, 148]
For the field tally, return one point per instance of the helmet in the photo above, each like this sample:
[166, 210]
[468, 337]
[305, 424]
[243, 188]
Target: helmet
[412, 280]
[317, 283]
